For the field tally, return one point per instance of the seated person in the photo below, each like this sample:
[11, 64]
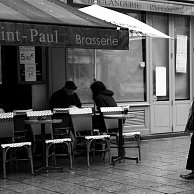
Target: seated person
[102, 98]
[65, 97]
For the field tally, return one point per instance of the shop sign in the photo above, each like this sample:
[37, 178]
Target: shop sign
[64, 36]
[149, 6]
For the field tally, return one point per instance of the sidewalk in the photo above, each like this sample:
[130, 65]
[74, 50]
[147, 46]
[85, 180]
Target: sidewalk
[163, 160]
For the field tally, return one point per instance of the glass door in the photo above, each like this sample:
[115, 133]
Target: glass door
[161, 109]
[182, 79]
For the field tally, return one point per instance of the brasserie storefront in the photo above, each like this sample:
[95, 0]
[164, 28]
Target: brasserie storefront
[36, 42]
[154, 76]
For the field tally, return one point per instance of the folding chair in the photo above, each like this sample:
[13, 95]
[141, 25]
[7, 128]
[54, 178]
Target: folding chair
[65, 128]
[82, 125]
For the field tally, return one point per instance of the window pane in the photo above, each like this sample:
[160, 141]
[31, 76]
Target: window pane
[182, 86]
[80, 70]
[121, 72]
[160, 55]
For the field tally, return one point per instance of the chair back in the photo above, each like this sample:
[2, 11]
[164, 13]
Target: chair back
[111, 124]
[62, 113]
[82, 120]
[20, 129]
[6, 125]
[36, 115]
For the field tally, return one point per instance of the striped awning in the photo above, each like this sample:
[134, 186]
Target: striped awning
[53, 23]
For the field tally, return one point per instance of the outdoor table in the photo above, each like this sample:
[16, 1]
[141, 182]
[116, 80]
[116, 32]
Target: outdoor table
[43, 122]
[121, 149]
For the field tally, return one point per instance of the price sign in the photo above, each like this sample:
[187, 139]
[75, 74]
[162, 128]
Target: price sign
[30, 72]
[27, 55]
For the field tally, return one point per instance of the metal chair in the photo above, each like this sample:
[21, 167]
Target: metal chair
[112, 128]
[8, 129]
[65, 128]
[50, 140]
[82, 125]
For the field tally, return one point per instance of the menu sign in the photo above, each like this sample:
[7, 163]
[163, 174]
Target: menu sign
[27, 59]
[30, 64]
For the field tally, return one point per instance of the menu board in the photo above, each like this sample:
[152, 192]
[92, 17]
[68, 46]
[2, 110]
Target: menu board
[30, 64]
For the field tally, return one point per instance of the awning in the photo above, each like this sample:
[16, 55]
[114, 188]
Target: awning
[53, 23]
[135, 27]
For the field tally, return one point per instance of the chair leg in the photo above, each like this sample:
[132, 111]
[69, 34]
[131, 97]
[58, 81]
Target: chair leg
[104, 150]
[31, 159]
[70, 154]
[47, 154]
[139, 147]
[94, 148]
[137, 137]
[4, 163]
[88, 152]
[54, 156]
[108, 148]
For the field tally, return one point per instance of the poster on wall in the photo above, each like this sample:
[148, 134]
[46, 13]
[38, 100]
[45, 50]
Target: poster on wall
[160, 81]
[181, 54]
[27, 59]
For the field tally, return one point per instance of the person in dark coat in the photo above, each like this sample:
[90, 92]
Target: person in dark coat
[190, 159]
[65, 97]
[102, 98]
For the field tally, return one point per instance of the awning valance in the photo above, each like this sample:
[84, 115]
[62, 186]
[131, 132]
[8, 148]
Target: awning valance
[53, 23]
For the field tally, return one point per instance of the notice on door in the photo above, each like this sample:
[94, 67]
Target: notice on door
[181, 54]
[160, 81]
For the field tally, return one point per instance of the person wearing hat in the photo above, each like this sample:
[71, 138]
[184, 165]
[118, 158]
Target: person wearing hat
[65, 97]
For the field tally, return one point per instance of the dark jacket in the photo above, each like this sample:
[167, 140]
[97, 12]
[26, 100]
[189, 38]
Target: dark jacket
[60, 99]
[104, 98]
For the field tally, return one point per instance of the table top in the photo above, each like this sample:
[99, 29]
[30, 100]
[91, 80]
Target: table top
[118, 116]
[43, 121]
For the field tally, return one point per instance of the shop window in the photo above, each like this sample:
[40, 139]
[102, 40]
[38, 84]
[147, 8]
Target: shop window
[121, 71]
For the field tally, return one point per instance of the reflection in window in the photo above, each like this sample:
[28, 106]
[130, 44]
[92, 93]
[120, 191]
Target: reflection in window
[80, 70]
[119, 70]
